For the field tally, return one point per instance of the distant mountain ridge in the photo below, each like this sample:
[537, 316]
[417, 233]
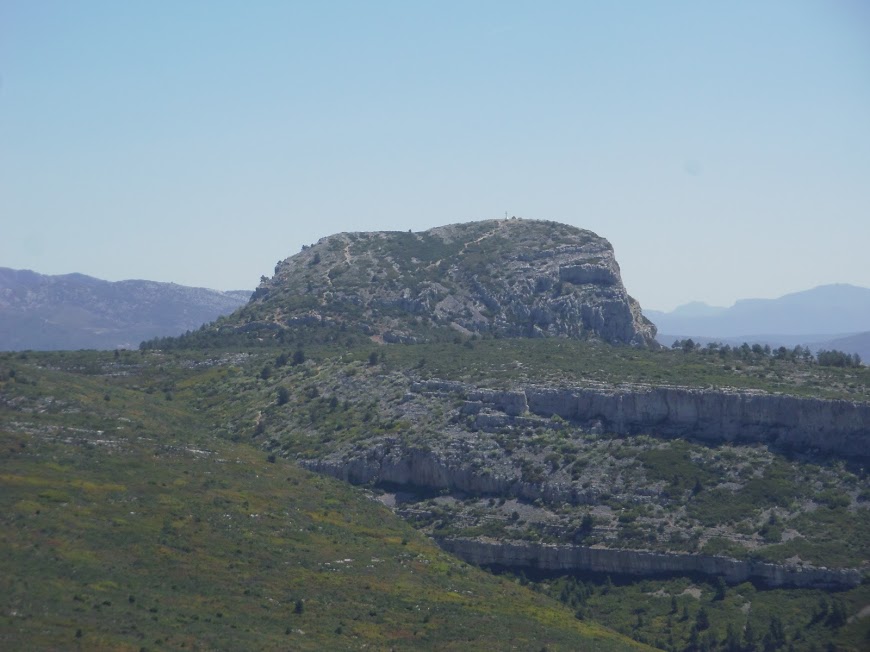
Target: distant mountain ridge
[839, 309]
[825, 317]
[75, 311]
[693, 309]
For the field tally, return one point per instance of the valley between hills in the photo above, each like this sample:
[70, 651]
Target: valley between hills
[465, 438]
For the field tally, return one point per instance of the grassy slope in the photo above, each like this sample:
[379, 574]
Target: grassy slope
[318, 419]
[664, 612]
[630, 607]
[502, 362]
[127, 524]
[228, 396]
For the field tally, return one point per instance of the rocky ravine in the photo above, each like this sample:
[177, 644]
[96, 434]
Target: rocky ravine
[519, 278]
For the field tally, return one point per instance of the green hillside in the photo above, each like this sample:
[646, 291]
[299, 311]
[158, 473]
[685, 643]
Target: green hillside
[130, 522]
[150, 500]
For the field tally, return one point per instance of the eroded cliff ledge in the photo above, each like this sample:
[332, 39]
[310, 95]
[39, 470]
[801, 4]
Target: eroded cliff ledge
[811, 425]
[534, 460]
[643, 563]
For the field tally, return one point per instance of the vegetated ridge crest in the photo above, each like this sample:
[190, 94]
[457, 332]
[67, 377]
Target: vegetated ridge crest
[517, 278]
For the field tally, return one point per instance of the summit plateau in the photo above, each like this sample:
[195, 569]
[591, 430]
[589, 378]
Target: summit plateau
[510, 278]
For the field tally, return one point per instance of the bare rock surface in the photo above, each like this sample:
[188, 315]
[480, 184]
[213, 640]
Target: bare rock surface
[645, 563]
[527, 465]
[514, 277]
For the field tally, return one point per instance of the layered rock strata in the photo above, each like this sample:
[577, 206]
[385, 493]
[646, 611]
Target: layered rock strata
[562, 558]
[426, 469]
[806, 424]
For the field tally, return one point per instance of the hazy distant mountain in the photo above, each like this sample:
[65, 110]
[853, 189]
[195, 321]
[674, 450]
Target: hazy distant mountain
[824, 312]
[74, 311]
[693, 309]
[859, 344]
[826, 317]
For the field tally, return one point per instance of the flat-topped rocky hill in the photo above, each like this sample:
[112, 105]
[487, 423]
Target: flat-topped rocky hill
[519, 278]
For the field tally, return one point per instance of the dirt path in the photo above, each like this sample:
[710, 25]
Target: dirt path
[864, 613]
[499, 226]
[347, 259]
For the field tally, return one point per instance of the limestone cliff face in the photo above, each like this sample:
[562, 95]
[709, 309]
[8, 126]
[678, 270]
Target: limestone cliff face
[829, 426]
[426, 469]
[521, 278]
[643, 563]
[806, 424]
[488, 445]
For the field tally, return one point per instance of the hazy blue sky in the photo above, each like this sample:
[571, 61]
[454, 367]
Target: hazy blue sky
[722, 147]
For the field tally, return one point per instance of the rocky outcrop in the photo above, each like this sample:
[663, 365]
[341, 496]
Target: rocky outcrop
[828, 426]
[806, 424]
[586, 273]
[495, 443]
[564, 558]
[511, 403]
[519, 278]
[388, 464]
